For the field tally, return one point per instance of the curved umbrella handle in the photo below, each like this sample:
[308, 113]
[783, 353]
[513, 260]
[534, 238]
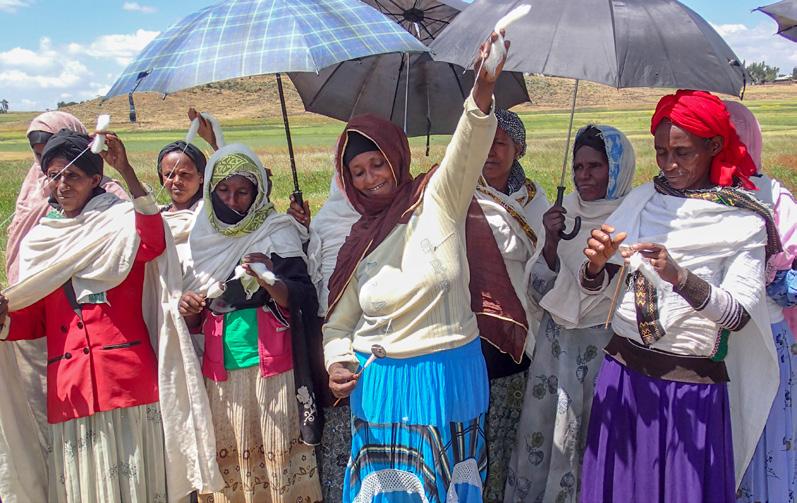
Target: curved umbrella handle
[567, 236]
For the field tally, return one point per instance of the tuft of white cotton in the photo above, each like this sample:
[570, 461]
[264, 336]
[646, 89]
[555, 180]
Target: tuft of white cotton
[263, 273]
[637, 262]
[193, 129]
[103, 121]
[239, 273]
[497, 50]
[215, 290]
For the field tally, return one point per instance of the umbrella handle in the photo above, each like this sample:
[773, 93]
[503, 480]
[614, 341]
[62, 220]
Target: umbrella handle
[297, 196]
[567, 236]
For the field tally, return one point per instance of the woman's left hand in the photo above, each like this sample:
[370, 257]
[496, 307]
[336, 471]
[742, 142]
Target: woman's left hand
[660, 260]
[116, 155]
[252, 258]
[485, 82]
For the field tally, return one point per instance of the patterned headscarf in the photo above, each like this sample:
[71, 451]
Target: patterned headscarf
[231, 160]
[513, 126]
[619, 154]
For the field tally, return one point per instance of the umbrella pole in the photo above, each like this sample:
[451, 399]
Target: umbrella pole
[560, 190]
[297, 194]
[406, 91]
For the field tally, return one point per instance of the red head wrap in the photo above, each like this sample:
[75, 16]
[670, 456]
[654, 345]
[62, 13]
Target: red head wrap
[704, 115]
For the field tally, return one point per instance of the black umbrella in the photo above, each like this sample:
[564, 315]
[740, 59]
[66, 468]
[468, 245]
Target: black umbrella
[785, 14]
[422, 96]
[621, 43]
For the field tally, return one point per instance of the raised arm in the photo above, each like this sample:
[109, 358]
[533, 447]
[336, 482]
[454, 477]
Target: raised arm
[452, 185]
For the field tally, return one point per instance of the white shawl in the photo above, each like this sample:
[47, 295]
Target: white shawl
[328, 231]
[180, 223]
[213, 255]
[699, 234]
[568, 304]
[96, 250]
[517, 248]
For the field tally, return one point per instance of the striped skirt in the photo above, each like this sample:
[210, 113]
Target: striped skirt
[418, 429]
[258, 449]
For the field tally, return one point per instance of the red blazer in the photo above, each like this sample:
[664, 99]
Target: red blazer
[104, 361]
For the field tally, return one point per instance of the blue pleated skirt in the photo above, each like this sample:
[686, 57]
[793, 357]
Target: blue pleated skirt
[418, 429]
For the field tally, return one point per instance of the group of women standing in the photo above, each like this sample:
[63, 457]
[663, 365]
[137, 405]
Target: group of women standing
[472, 354]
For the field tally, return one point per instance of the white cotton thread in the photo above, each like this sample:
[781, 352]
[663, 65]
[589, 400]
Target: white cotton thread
[498, 49]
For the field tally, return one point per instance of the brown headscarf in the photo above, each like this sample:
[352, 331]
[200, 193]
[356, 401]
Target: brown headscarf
[500, 314]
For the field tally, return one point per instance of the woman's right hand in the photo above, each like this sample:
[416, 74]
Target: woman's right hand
[342, 380]
[191, 303]
[3, 309]
[554, 222]
[601, 247]
[300, 214]
[205, 130]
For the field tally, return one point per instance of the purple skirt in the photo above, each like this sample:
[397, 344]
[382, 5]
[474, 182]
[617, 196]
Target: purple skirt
[653, 440]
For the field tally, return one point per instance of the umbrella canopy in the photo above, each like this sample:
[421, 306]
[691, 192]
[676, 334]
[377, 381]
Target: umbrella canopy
[621, 43]
[785, 14]
[414, 92]
[240, 38]
[378, 85]
[423, 18]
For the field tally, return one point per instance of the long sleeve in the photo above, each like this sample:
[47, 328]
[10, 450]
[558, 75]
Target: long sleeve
[453, 184]
[27, 323]
[149, 226]
[724, 305]
[339, 328]
[293, 272]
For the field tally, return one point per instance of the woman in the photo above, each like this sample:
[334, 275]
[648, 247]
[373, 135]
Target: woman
[253, 334]
[547, 455]
[181, 171]
[95, 274]
[691, 365]
[513, 206]
[32, 204]
[772, 474]
[400, 290]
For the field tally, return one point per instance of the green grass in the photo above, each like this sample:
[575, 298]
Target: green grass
[315, 137]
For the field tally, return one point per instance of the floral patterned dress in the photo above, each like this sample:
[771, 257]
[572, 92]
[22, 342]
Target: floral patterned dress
[552, 432]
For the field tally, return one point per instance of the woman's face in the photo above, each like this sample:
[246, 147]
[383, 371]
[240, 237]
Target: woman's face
[684, 158]
[499, 160]
[237, 193]
[371, 174]
[38, 148]
[591, 173]
[72, 188]
[181, 177]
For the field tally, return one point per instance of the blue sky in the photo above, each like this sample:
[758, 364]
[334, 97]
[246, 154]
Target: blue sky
[71, 50]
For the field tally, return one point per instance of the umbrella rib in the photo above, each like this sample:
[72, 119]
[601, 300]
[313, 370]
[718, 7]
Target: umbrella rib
[614, 38]
[427, 31]
[456, 78]
[396, 91]
[361, 91]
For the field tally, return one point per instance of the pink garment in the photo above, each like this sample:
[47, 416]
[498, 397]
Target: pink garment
[32, 202]
[773, 193]
[274, 345]
[748, 129]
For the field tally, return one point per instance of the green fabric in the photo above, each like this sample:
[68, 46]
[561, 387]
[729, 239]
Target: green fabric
[240, 339]
[238, 164]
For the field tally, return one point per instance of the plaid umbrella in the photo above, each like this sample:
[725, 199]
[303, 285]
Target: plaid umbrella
[240, 38]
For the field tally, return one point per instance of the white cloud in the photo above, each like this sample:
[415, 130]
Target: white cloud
[137, 7]
[36, 78]
[759, 43]
[13, 5]
[122, 47]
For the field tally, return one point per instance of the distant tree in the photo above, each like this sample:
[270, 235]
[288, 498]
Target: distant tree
[4, 105]
[64, 104]
[794, 73]
[762, 72]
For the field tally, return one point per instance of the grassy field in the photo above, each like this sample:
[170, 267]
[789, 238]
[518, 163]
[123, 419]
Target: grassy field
[314, 139]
